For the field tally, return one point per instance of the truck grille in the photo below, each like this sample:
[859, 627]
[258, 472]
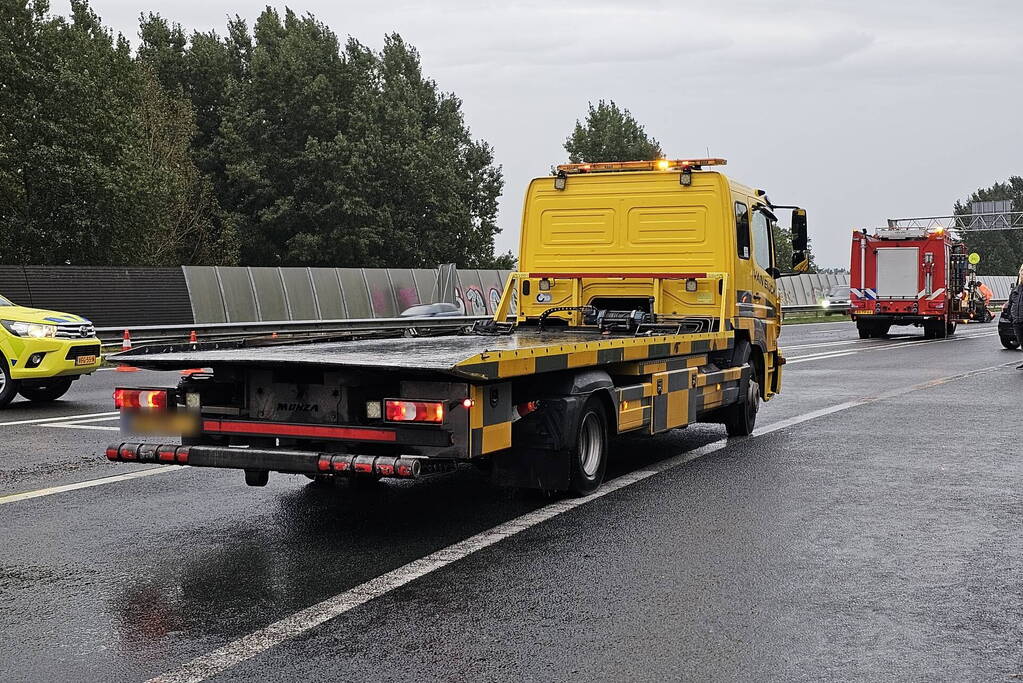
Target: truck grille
[75, 331]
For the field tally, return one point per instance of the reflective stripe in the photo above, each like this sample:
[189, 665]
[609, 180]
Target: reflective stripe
[936, 294]
[920, 294]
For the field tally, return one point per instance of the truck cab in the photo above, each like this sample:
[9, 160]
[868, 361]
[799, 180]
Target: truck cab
[673, 238]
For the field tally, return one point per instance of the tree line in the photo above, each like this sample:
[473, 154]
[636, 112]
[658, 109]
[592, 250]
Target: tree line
[275, 145]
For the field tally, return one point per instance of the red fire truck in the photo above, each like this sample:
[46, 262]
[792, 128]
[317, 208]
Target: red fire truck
[906, 276]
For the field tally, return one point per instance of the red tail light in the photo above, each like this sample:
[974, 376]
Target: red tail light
[141, 399]
[414, 411]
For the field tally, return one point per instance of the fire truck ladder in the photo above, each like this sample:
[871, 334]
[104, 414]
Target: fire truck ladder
[965, 222]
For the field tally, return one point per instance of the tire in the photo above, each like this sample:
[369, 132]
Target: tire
[882, 331]
[47, 390]
[1009, 342]
[589, 453]
[8, 385]
[741, 418]
[865, 329]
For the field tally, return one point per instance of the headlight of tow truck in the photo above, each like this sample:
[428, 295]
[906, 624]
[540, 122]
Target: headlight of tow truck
[33, 330]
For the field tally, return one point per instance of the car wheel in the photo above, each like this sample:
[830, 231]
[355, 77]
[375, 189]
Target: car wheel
[1009, 342]
[47, 390]
[589, 453]
[8, 385]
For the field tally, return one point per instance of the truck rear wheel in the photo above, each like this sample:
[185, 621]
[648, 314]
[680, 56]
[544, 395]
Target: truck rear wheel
[46, 390]
[589, 453]
[864, 329]
[8, 385]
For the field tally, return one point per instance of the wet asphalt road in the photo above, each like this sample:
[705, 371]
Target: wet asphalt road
[879, 541]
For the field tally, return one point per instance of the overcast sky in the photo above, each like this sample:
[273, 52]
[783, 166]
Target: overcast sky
[858, 110]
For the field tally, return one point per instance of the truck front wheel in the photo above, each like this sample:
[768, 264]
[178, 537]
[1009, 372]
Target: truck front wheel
[589, 454]
[8, 386]
[46, 390]
[740, 418]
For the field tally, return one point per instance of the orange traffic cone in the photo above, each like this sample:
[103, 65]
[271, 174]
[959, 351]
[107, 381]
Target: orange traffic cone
[126, 346]
[193, 339]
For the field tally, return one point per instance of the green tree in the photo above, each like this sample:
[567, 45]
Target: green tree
[1001, 251]
[352, 158]
[94, 159]
[610, 134]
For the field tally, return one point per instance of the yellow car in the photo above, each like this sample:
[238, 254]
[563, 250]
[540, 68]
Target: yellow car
[43, 352]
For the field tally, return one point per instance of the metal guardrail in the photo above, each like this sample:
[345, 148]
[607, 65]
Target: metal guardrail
[149, 334]
[111, 337]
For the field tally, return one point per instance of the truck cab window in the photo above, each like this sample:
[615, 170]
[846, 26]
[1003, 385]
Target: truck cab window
[762, 239]
[742, 229]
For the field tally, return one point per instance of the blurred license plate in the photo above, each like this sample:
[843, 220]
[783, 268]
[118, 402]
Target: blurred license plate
[163, 424]
[868, 312]
[85, 360]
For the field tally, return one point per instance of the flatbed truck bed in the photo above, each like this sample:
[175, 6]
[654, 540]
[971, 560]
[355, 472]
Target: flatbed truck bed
[468, 356]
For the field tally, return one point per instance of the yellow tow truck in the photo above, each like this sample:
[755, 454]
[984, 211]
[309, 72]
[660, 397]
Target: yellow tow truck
[646, 300]
[43, 352]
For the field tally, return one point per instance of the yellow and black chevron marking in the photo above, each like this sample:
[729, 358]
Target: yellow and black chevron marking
[675, 398]
[529, 361]
[490, 418]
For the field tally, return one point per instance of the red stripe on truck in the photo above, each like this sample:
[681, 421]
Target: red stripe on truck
[307, 431]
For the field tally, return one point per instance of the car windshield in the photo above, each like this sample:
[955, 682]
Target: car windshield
[5, 302]
[840, 292]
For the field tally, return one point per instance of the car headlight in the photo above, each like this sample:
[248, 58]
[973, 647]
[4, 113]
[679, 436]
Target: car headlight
[825, 303]
[34, 330]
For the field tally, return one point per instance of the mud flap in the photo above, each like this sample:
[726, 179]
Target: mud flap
[540, 459]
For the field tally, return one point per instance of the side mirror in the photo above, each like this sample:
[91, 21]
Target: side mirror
[800, 241]
[774, 272]
[800, 262]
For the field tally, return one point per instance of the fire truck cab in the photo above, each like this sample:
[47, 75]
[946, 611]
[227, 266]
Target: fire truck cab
[906, 276]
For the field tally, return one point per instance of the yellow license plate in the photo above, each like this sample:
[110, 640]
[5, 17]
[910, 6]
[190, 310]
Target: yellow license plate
[85, 360]
[162, 424]
[864, 312]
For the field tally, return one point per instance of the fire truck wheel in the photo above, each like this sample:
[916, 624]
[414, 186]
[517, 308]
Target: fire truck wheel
[741, 417]
[589, 454]
[8, 386]
[863, 330]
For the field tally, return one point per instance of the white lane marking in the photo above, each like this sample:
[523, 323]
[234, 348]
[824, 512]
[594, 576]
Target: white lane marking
[58, 418]
[74, 425]
[237, 651]
[822, 356]
[15, 497]
[876, 347]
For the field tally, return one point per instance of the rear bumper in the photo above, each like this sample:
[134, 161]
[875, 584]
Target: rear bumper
[270, 459]
[897, 319]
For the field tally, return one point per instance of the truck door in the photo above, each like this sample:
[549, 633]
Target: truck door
[765, 291]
